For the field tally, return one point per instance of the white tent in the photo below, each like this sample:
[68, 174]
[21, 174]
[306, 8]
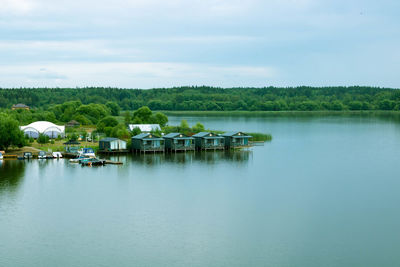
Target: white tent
[145, 128]
[43, 127]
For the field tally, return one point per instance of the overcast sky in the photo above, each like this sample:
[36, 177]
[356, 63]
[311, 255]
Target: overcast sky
[164, 43]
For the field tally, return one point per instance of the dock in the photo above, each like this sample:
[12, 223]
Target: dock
[113, 162]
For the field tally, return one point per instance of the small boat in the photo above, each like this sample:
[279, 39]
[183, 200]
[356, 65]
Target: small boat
[87, 152]
[28, 155]
[57, 155]
[92, 162]
[78, 159]
[1, 156]
[42, 155]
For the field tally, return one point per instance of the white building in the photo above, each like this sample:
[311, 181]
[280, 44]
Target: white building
[145, 128]
[43, 127]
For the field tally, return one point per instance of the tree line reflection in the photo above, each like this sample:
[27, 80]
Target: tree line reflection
[12, 173]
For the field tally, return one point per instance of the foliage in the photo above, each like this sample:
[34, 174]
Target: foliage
[120, 131]
[114, 108]
[10, 134]
[142, 115]
[106, 122]
[43, 139]
[184, 125]
[260, 137]
[64, 103]
[198, 128]
[136, 131]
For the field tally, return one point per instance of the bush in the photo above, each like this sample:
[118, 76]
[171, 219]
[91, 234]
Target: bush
[43, 139]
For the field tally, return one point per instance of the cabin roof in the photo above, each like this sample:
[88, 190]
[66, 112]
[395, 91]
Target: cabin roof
[147, 136]
[207, 135]
[177, 136]
[73, 122]
[110, 139]
[20, 105]
[236, 135]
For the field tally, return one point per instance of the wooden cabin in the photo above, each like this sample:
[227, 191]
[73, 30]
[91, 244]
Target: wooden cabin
[178, 142]
[147, 142]
[236, 139]
[110, 144]
[208, 140]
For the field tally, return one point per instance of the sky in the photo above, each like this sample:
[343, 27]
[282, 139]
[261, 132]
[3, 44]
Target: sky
[224, 43]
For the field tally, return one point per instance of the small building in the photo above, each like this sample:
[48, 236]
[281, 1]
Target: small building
[178, 142]
[73, 123]
[20, 106]
[208, 140]
[110, 144]
[72, 147]
[147, 142]
[145, 128]
[43, 127]
[236, 139]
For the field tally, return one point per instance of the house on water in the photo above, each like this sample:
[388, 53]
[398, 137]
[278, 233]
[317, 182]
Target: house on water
[178, 142]
[110, 144]
[147, 142]
[236, 139]
[208, 140]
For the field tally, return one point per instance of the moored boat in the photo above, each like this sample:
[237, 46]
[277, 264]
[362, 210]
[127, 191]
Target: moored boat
[92, 162]
[28, 155]
[87, 152]
[57, 155]
[42, 155]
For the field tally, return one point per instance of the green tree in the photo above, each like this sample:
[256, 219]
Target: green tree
[160, 118]
[120, 131]
[136, 131]
[198, 128]
[10, 134]
[127, 117]
[106, 122]
[43, 139]
[143, 114]
[184, 125]
[114, 108]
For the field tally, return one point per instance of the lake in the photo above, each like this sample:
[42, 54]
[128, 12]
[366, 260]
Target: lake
[324, 192]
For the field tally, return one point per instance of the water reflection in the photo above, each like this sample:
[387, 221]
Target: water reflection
[207, 157]
[11, 175]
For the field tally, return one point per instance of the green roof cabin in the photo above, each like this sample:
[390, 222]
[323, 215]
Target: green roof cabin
[208, 140]
[178, 142]
[236, 139]
[110, 144]
[147, 142]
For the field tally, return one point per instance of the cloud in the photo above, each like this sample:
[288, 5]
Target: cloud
[215, 42]
[16, 7]
[134, 75]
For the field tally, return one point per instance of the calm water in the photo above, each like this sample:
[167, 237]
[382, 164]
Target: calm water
[324, 192]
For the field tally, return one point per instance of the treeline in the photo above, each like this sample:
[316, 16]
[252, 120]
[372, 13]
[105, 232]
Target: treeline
[213, 99]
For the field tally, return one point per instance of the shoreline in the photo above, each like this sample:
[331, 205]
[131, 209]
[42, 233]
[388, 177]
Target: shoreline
[280, 113]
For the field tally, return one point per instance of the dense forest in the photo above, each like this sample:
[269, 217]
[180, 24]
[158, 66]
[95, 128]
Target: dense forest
[211, 98]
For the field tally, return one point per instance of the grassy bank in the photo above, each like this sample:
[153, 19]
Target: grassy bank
[258, 137]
